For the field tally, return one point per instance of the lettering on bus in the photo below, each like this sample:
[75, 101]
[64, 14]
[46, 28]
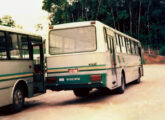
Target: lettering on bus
[72, 79]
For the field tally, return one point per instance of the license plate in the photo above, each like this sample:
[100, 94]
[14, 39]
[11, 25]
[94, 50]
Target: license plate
[73, 70]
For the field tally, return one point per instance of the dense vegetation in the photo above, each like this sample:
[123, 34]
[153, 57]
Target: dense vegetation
[7, 20]
[142, 19]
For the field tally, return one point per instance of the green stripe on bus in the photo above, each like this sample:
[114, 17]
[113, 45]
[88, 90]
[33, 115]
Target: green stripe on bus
[75, 67]
[80, 71]
[14, 78]
[78, 79]
[4, 75]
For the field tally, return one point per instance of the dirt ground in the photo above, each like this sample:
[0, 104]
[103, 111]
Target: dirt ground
[144, 101]
[154, 59]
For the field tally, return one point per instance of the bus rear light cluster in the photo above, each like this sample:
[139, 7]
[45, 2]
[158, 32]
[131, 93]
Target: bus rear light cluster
[95, 78]
[93, 22]
[50, 27]
[51, 80]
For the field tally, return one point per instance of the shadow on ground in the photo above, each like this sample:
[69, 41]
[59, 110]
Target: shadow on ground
[5, 111]
[94, 96]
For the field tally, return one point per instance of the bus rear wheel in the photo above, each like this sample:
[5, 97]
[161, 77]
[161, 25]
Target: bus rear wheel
[81, 92]
[18, 99]
[121, 89]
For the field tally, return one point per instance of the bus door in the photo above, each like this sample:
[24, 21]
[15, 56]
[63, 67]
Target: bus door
[38, 58]
[112, 58]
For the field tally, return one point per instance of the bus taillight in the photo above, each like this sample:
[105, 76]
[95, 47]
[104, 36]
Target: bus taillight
[50, 27]
[95, 78]
[51, 80]
[93, 22]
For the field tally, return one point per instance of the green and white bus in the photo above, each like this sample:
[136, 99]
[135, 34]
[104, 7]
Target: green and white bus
[86, 55]
[21, 66]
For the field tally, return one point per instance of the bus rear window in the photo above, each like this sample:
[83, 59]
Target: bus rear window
[72, 40]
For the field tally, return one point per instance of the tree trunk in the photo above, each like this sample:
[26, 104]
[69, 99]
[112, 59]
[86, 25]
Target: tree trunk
[85, 8]
[148, 23]
[114, 23]
[117, 19]
[139, 20]
[98, 8]
[82, 11]
[130, 13]
[72, 17]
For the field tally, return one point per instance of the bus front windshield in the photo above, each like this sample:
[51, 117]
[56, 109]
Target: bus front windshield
[72, 40]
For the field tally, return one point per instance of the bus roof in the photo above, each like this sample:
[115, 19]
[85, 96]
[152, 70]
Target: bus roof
[87, 23]
[10, 29]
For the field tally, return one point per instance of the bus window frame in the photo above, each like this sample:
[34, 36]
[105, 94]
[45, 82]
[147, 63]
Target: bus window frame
[110, 41]
[119, 43]
[4, 32]
[73, 28]
[126, 40]
[9, 57]
[106, 37]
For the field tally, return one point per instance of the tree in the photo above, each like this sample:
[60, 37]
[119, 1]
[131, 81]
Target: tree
[7, 21]
[39, 27]
[142, 19]
[19, 26]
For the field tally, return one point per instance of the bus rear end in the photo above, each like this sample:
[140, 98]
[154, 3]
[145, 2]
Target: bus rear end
[73, 60]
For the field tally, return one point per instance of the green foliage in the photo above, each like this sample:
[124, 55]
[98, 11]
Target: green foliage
[39, 27]
[7, 21]
[142, 19]
[162, 50]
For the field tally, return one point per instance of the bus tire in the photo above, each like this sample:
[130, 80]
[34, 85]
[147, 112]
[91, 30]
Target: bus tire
[121, 89]
[81, 92]
[18, 99]
[139, 78]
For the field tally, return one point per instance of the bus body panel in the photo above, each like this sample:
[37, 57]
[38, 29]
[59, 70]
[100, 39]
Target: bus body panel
[94, 63]
[130, 64]
[114, 64]
[18, 63]
[13, 72]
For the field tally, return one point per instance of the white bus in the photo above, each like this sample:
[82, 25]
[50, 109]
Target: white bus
[86, 55]
[20, 74]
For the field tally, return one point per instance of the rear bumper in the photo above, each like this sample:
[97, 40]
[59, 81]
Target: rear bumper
[74, 86]
[83, 82]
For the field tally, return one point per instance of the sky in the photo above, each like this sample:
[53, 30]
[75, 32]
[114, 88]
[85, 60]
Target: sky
[27, 13]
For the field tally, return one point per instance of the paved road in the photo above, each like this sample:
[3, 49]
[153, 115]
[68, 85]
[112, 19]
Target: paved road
[144, 101]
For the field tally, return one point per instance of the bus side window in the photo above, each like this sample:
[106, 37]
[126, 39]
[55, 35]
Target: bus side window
[133, 48]
[18, 46]
[14, 51]
[116, 39]
[106, 39]
[123, 46]
[137, 49]
[118, 49]
[110, 41]
[125, 41]
[36, 50]
[3, 52]
[120, 43]
[23, 46]
[128, 46]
